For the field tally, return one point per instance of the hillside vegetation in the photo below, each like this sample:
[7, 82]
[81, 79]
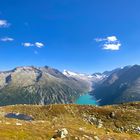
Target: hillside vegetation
[116, 122]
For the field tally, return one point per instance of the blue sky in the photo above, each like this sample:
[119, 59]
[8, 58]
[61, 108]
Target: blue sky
[79, 35]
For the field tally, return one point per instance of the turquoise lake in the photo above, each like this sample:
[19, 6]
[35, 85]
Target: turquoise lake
[86, 99]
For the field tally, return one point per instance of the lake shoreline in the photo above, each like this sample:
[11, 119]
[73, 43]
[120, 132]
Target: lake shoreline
[86, 99]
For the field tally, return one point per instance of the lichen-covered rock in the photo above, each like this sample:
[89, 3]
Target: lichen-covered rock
[137, 129]
[93, 120]
[112, 115]
[99, 123]
[96, 138]
[61, 133]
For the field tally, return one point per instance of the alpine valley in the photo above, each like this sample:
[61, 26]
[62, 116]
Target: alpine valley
[46, 85]
[40, 104]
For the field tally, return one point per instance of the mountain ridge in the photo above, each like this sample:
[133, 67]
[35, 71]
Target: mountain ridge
[121, 86]
[46, 85]
[32, 85]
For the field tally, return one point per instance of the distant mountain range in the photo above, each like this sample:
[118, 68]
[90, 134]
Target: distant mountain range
[46, 85]
[91, 80]
[112, 87]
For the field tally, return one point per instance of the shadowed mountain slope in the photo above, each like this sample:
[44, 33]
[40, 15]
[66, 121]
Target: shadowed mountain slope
[121, 86]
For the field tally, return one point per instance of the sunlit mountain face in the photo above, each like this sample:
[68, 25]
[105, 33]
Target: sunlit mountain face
[39, 85]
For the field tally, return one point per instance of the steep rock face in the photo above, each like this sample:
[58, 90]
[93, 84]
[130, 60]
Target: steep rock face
[121, 86]
[43, 85]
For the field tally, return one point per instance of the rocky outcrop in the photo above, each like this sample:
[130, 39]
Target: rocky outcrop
[61, 133]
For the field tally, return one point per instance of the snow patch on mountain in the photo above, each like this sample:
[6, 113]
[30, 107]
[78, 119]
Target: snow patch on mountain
[69, 73]
[83, 76]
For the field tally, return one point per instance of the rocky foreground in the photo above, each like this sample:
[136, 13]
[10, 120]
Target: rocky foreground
[70, 122]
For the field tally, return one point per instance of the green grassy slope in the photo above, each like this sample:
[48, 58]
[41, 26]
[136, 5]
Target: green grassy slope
[117, 122]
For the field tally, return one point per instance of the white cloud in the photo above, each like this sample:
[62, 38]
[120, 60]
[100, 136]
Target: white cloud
[5, 39]
[39, 44]
[109, 39]
[109, 43]
[112, 46]
[36, 44]
[4, 23]
[112, 38]
[27, 44]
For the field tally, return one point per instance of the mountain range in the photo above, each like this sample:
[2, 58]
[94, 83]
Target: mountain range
[123, 85]
[39, 85]
[46, 85]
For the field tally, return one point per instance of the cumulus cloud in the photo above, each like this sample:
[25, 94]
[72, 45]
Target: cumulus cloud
[36, 44]
[39, 44]
[27, 44]
[111, 38]
[6, 39]
[109, 43]
[4, 23]
[112, 46]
